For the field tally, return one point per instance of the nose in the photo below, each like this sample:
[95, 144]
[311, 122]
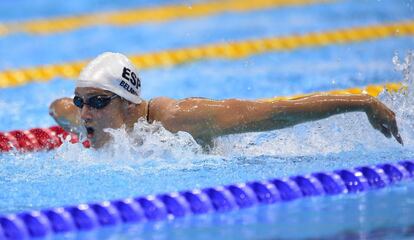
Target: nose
[86, 113]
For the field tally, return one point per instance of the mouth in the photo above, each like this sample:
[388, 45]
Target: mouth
[90, 131]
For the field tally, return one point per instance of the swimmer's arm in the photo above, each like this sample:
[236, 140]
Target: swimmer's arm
[205, 118]
[66, 114]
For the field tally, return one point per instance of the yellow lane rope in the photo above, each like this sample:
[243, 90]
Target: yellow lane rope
[232, 50]
[373, 90]
[146, 15]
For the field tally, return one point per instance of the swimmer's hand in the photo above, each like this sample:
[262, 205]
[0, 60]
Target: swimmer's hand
[383, 119]
[66, 114]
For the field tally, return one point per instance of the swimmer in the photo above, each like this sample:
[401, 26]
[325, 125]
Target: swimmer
[107, 95]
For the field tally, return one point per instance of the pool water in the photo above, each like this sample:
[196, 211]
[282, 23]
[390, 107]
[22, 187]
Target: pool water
[173, 162]
[374, 215]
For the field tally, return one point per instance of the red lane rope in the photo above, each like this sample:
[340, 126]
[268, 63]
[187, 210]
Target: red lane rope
[36, 139]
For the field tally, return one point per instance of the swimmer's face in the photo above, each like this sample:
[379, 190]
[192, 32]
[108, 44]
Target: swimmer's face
[96, 120]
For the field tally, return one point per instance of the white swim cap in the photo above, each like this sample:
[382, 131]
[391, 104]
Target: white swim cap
[112, 72]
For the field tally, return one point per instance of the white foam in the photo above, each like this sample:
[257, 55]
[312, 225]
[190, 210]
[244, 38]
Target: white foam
[151, 145]
[341, 133]
[151, 159]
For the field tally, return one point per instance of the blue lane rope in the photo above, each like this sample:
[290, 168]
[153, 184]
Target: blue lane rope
[85, 217]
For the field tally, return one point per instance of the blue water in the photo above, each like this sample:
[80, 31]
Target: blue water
[88, 42]
[261, 76]
[21, 10]
[340, 217]
[168, 162]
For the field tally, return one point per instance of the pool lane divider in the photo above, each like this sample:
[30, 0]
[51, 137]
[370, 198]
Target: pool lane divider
[145, 15]
[372, 90]
[230, 50]
[36, 139]
[86, 217]
[43, 139]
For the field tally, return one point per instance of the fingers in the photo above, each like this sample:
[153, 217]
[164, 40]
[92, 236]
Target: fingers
[399, 139]
[394, 129]
[385, 130]
[391, 130]
[395, 133]
[383, 119]
[52, 112]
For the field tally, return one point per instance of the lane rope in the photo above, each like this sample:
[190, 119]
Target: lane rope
[231, 50]
[372, 90]
[145, 15]
[218, 199]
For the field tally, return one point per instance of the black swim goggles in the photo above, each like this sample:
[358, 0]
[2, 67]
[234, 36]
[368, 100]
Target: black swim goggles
[97, 102]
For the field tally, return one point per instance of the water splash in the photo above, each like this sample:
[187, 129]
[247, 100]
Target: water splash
[406, 67]
[402, 102]
[147, 148]
[150, 148]
[153, 146]
[342, 133]
[151, 159]
[154, 141]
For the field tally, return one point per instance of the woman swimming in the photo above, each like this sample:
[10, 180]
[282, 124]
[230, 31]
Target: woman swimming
[107, 95]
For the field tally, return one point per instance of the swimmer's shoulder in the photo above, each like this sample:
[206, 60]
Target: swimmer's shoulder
[159, 108]
[163, 108]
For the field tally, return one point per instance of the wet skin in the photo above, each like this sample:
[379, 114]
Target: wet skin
[114, 115]
[206, 119]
